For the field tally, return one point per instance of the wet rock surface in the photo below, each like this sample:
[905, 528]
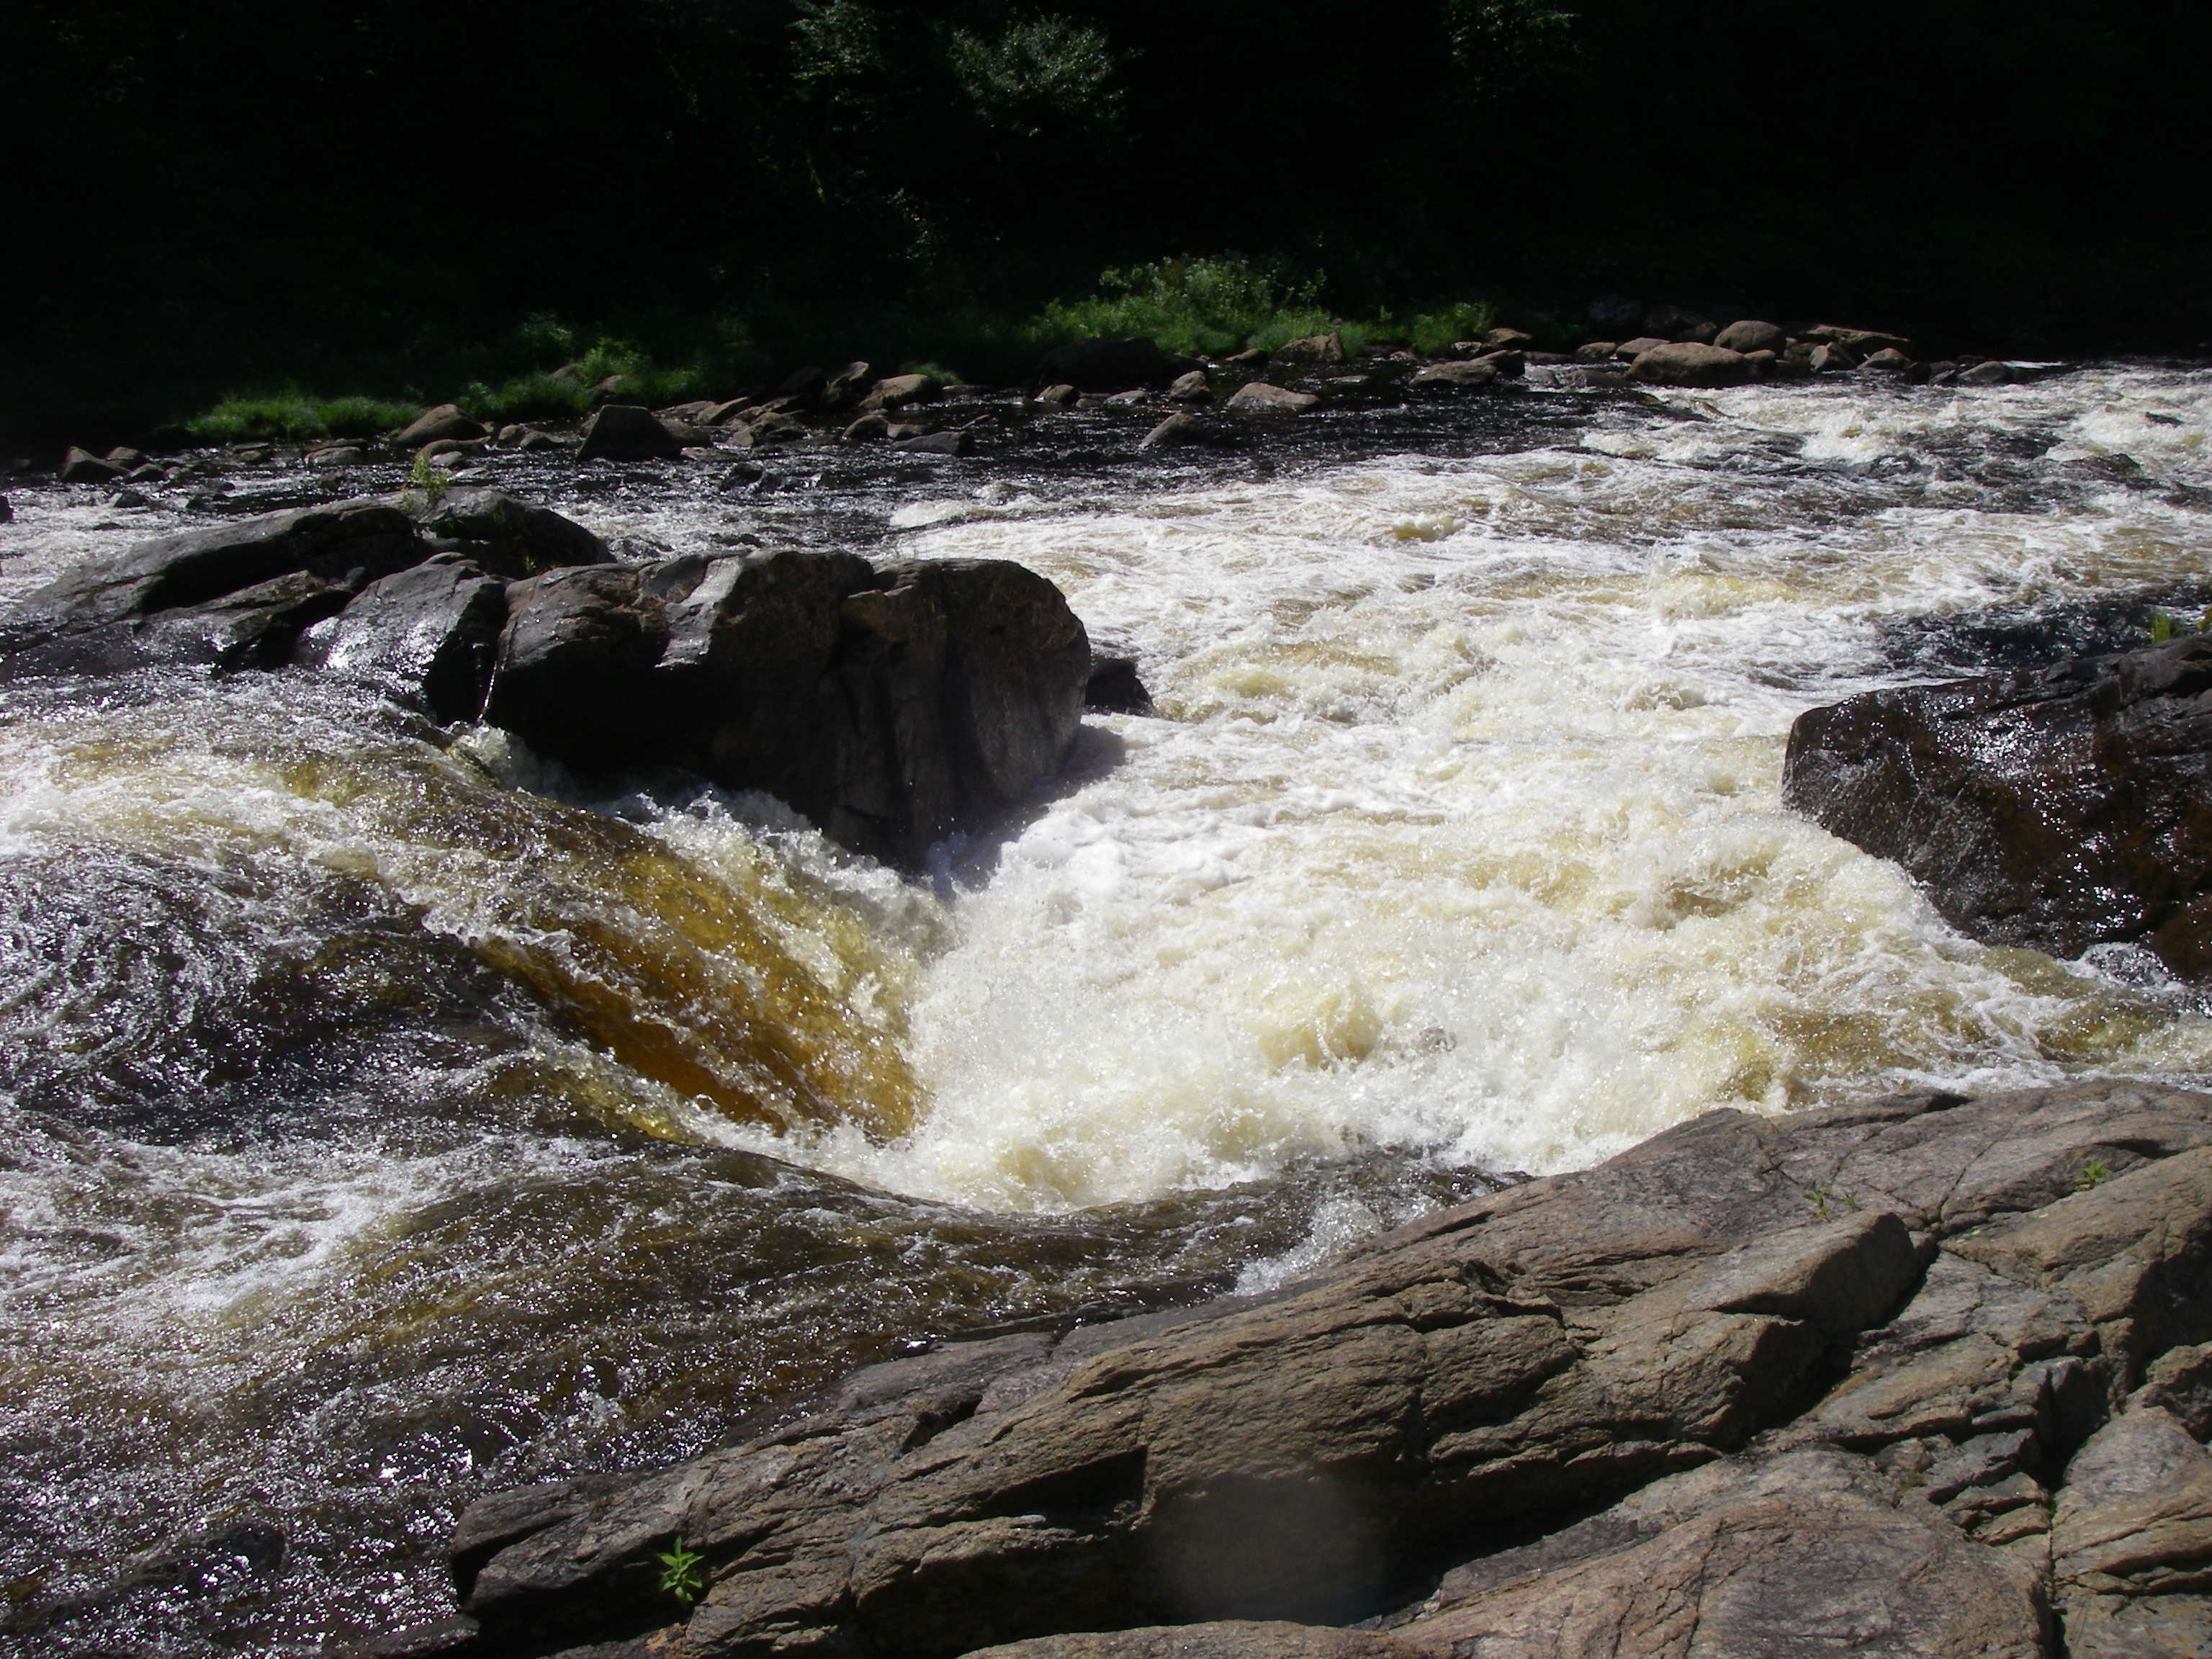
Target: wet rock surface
[2058, 807]
[890, 707]
[1860, 1379]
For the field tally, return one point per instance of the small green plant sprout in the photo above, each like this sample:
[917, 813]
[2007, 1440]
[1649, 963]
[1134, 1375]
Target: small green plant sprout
[1823, 1196]
[683, 1572]
[433, 480]
[2165, 625]
[2093, 1174]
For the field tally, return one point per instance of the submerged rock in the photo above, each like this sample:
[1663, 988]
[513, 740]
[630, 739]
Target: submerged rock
[1810, 1378]
[2057, 807]
[891, 707]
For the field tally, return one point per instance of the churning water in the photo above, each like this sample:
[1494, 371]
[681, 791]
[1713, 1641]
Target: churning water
[389, 1118]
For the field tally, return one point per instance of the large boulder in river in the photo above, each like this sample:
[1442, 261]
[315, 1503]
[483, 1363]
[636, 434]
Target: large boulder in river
[1758, 1386]
[1111, 365]
[1685, 363]
[237, 595]
[427, 633]
[891, 707]
[628, 432]
[2055, 807]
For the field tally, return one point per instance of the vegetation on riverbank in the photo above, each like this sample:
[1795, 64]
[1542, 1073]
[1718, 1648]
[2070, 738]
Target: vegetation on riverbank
[1211, 306]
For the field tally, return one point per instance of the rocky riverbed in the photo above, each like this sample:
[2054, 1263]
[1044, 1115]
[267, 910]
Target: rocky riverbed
[356, 1171]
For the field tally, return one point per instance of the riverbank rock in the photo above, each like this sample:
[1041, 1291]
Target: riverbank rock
[2056, 808]
[1688, 364]
[1465, 376]
[891, 707]
[1103, 365]
[1313, 348]
[1860, 1378]
[80, 466]
[1259, 398]
[1748, 335]
[434, 425]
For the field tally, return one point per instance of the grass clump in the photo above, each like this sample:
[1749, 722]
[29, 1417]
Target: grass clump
[1213, 307]
[293, 416]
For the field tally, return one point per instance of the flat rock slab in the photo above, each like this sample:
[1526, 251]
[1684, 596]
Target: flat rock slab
[1815, 1380]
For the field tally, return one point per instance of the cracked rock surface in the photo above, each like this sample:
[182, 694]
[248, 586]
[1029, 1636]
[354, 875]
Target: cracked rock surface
[1926, 1375]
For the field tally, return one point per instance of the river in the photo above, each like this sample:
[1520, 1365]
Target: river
[354, 1154]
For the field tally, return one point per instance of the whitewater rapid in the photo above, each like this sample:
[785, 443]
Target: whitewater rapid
[386, 1117]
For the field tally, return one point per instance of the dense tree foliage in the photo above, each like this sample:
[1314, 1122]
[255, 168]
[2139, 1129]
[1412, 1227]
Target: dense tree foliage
[260, 188]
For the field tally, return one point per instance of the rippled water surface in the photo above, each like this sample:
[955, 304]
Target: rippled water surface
[388, 1118]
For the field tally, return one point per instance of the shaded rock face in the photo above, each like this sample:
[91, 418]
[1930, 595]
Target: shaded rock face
[1111, 365]
[2054, 807]
[1828, 1371]
[892, 708]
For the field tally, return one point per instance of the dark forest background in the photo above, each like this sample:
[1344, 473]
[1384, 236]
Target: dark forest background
[376, 195]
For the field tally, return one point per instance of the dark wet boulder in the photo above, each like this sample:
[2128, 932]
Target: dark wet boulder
[1114, 687]
[1676, 323]
[1103, 365]
[1259, 398]
[429, 633]
[1889, 361]
[1191, 388]
[1987, 374]
[1177, 429]
[1768, 1378]
[892, 707]
[446, 421]
[1861, 343]
[1629, 350]
[234, 595]
[933, 443]
[628, 432]
[1688, 364]
[1596, 351]
[80, 466]
[1749, 336]
[6, 513]
[842, 388]
[2057, 807]
[1616, 314]
[1508, 362]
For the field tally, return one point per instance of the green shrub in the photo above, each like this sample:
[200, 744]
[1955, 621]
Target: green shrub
[293, 416]
[1211, 307]
[1433, 333]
